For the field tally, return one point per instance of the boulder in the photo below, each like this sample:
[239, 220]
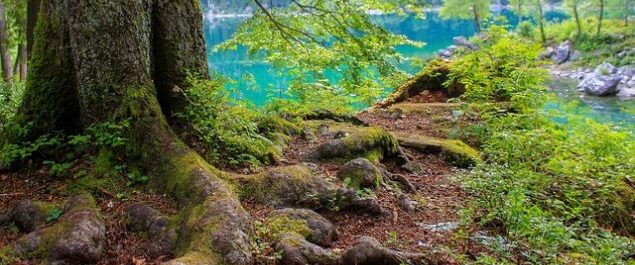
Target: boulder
[605, 69]
[360, 173]
[142, 218]
[547, 53]
[28, 215]
[600, 85]
[322, 231]
[626, 92]
[461, 41]
[575, 55]
[562, 52]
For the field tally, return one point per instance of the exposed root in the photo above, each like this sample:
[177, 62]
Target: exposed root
[329, 115]
[298, 186]
[77, 237]
[453, 151]
[369, 251]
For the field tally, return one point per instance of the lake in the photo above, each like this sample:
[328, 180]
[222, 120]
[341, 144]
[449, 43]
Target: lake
[267, 83]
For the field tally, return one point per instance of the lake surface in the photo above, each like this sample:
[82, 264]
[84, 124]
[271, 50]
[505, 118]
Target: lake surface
[258, 82]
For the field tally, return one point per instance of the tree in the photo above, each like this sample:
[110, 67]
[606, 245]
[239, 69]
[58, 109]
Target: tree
[5, 55]
[518, 7]
[600, 17]
[574, 5]
[474, 9]
[115, 60]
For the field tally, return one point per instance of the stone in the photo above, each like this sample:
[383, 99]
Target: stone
[626, 92]
[442, 227]
[547, 53]
[445, 53]
[575, 55]
[323, 232]
[600, 85]
[562, 52]
[143, 218]
[605, 69]
[461, 41]
[28, 215]
[360, 173]
[414, 168]
[323, 129]
[340, 135]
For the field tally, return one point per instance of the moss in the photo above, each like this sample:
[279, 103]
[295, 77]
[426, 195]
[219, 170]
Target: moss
[280, 225]
[374, 143]
[454, 151]
[431, 78]
[264, 188]
[274, 124]
[7, 256]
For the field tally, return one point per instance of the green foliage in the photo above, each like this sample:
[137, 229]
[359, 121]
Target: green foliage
[558, 192]
[310, 40]
[225, 131]
[466, 9]
[503, 69]
[10, 99]
[54, 214]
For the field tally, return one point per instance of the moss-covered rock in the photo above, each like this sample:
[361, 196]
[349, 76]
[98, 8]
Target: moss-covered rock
[431, 78]
[454, 151]
[29, 215]
[374, 143]
[360, 173]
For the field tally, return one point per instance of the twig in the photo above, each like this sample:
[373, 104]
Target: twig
[11, 194]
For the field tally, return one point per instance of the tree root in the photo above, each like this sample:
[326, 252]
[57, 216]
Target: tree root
[298, 186]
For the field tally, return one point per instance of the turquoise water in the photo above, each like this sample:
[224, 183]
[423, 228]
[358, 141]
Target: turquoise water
[436, 33]
[258, 82]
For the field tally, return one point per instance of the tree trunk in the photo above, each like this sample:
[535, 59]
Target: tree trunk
[541, 22]
[477, 19]
[33, 8]
[22, 58]
[93, 62]
[7, 71]
[627, 12]
[600, 18]
[577, 20]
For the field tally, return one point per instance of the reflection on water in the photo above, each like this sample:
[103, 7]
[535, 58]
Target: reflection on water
[602, 109]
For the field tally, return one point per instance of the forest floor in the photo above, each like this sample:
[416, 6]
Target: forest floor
[434, 227]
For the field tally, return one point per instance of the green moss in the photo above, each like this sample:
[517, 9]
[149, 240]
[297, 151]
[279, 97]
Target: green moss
[7, 256]
[454, 151]
[263, 187]
[274, 124]
[280, 225]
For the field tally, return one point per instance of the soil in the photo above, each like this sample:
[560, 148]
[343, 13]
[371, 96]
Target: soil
[439, 195]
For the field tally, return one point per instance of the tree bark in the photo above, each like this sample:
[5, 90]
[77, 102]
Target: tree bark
[477, 19]
[577, 20]
[600, 18]
[22, 58]
[33, 8]
[93, 62]
[541, 21]
[7, 71]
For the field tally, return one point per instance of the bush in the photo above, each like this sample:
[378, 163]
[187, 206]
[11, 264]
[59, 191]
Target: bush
[225, 131]
[10, 99]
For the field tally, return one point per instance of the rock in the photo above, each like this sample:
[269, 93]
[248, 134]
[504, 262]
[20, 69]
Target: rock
[445, 53]
[562, 52]
[575, 55]
[547, 53]
[461, 41]
[442, 227]
[496, 242]
[600, 85]
[142, 218]
[627, 71]
[626, 92]
[297, 251]
[605, 69]
[369, 251]
[323, 232]
[28, 215]
[360, 173]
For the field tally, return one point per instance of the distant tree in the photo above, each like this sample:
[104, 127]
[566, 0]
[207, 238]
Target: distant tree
[573, 5]
[540, 17]
[474, 9]
[518, 6]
